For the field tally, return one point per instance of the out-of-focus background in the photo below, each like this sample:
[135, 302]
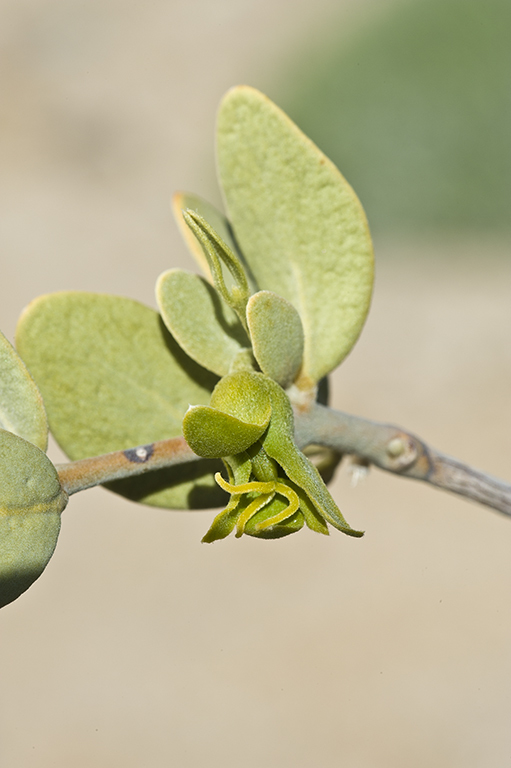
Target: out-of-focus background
[142, 647]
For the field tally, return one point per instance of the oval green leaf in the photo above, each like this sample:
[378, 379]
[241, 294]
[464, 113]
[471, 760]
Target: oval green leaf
[203, 325]
[21, 405]
[31, 501]
[112, 377]
[277, 336]
[299, 224]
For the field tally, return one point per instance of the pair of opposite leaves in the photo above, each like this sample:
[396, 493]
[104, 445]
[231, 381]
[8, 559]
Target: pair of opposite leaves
[113, 377]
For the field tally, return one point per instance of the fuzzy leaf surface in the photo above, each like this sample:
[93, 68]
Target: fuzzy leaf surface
[21, 405]
[112, 377]
[279, 445]
[244, 395]
[214, 434]
[202, 324]
[238, 414]
[31, 501]
[299, 224]
[277, 336]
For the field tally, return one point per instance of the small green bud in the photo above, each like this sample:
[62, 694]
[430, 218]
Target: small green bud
[217, 252]
[31, 501]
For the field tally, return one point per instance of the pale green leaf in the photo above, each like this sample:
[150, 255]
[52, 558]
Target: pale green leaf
[112, 377]
[31, 501]
[299, 224]
[277, 336]
[202, 324]
[21, 405]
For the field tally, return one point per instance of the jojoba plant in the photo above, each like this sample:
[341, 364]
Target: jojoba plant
[216, 400]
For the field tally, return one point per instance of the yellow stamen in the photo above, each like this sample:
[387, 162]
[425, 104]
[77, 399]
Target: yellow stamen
[253, 486]
[267, 491]
[251, 510]
[294, 503]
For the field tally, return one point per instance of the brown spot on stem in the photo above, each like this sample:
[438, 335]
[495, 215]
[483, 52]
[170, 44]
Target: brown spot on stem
[141, 454]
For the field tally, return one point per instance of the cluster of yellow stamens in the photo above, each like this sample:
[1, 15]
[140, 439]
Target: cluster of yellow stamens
[267, 491]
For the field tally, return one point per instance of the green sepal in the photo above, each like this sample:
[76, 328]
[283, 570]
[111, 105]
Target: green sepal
[214, 434]
[112, 377]
[31, 502]
[21, 405]
[277, 336]
[202, 324]
[313, 519]
[222, 526]
[279, 445]
[239, 468]
[238, 414]
[299, 224]
[264, 469]
[244, 395]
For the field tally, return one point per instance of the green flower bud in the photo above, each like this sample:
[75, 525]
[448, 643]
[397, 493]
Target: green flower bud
[274, 488]
[31, 501]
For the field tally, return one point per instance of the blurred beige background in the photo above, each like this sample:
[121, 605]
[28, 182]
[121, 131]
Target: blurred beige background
[141, 647]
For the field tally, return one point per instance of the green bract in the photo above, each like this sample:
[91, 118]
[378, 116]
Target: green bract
[31, 500]
[237, 416]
